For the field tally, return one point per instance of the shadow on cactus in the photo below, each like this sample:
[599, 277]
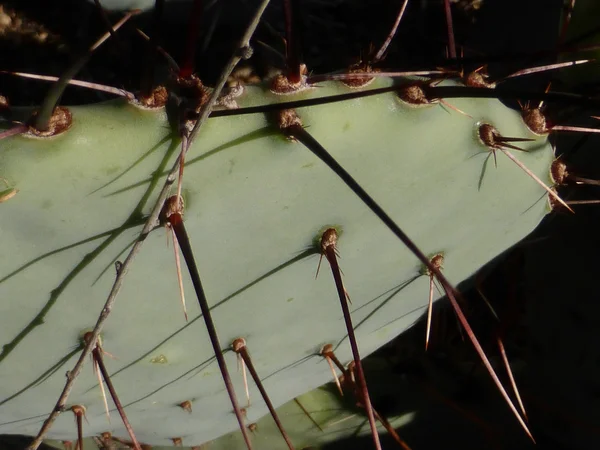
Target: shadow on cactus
[258, 189]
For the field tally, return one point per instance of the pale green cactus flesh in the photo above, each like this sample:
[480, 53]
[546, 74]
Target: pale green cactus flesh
[330, 417]
[255, 204]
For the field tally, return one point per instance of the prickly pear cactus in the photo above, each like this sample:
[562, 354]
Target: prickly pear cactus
[256, 204]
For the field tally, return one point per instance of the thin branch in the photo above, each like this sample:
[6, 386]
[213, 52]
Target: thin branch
[150, 224]
[109, 28]
[243, 51]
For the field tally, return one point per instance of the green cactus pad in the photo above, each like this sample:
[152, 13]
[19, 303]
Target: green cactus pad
[255, 202]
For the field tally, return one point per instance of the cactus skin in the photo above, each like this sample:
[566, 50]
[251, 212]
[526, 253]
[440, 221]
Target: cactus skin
[335, 415]
[255, 203]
